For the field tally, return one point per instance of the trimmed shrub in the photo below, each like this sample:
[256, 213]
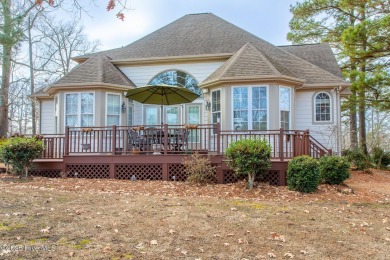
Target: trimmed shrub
[251, 157]
[380, 158]
[303, 174]
[358, 160]
[333, 169]
[19, 152]
[199, 169]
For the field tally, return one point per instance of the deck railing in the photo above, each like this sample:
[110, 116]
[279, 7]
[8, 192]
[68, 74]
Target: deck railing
[174, 139]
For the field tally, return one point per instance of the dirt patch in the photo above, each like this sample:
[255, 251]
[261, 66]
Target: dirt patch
[112, 219]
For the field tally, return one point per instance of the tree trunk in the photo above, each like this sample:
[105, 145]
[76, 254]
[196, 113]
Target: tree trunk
[6, 72]
[353, 122]
[32, 78]
[251, 180]
[6, 66]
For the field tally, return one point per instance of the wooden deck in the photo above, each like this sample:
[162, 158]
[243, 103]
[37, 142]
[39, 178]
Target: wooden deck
[158, 151]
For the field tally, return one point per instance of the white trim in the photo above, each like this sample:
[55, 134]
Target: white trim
[250, 120]
[315, 121]
[79, 106]
[290, 107]
[120, 107]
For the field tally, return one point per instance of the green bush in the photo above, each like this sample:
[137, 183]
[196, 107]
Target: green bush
[380, 158]
[303, 174]
[19, 152]
[358, 160]
[333, 169]
[199, 169]
[251, 157]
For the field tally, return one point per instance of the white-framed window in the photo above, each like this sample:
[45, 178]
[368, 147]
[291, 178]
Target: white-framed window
[172, 115]
[193, 117]
[113, 109]
[250, 108]
[322, 106]
[130, 112]
[216, 106]
[79, 109]
[285, 107]
[56, 114]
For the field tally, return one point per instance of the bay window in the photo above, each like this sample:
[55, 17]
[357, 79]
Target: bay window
[79, 109]
[250, 108]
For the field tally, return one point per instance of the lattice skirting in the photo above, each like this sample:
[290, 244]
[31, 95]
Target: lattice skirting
[45, 173]
[89, 171]
[176, 172]
[140, 171]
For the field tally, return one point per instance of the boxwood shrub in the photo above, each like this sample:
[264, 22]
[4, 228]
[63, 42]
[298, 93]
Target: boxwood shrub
[303, 174]
[334, 169]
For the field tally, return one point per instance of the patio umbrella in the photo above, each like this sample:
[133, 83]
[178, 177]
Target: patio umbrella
[162, 94]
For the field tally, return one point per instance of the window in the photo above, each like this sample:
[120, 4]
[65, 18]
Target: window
[79, 109]
[172, 115]
[113, 105]
[176, 78]
[193, 117]
[130, 112]
[216, 106]
[250, 108]
[322, 107]
[285, 106]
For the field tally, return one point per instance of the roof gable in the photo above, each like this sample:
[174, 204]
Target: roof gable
[97, 69]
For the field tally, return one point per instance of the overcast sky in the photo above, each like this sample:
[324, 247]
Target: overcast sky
[268, 19]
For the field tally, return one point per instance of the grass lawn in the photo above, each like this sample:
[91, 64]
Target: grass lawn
[111, 219]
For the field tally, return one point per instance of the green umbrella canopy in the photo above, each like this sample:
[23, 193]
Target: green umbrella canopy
[162, 95]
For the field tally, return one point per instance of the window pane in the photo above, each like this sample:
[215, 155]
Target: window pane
[284, 99]
[86, 120]
[87, 103]
[130, 114]
[193, 115]
[216, 101]
[172, 115]
[176, 78]
[113, 104]
[71, 103]
[151, 115]
[112, 120]
[71, 120]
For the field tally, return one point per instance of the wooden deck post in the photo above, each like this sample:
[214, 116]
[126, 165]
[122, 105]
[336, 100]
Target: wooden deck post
[113, 140]
[218, 132]
[66, 151]
[281, 144]
[219, 174]
[306, 142]
[165, 173]
[166, 141]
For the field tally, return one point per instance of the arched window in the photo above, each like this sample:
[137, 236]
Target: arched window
[176, 78]
[322, 107]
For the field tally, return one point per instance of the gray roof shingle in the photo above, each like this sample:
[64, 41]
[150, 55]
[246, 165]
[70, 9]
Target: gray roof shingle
[97, 69]
[320, 55]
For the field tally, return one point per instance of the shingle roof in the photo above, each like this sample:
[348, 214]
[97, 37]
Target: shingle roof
[320, 55]
[248, 62]
[97, 69]
[202, 34]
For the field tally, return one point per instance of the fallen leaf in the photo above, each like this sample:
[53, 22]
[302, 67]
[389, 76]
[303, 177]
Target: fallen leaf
[171, 231]
[303, 252]
[306, 211]
[242, 241]
[289, 255]
[384, 220]
[387, 239]
[116, 230]
[226, 244]
[98, 226]
[184, 252]
[71, 254]
[388, 228]
[233, 209]
[271, 255]
[153, 242]
[230, 235]
[107, 249]
[46, 230]
[140, 246]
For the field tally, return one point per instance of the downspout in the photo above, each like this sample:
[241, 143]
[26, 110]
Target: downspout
[338, 114]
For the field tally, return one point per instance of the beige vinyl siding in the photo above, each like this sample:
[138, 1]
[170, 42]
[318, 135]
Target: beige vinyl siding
[47, 117]
[325, 133]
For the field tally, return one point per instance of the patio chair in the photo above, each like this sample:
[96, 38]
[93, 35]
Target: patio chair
[135, 140]
[181, 138]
